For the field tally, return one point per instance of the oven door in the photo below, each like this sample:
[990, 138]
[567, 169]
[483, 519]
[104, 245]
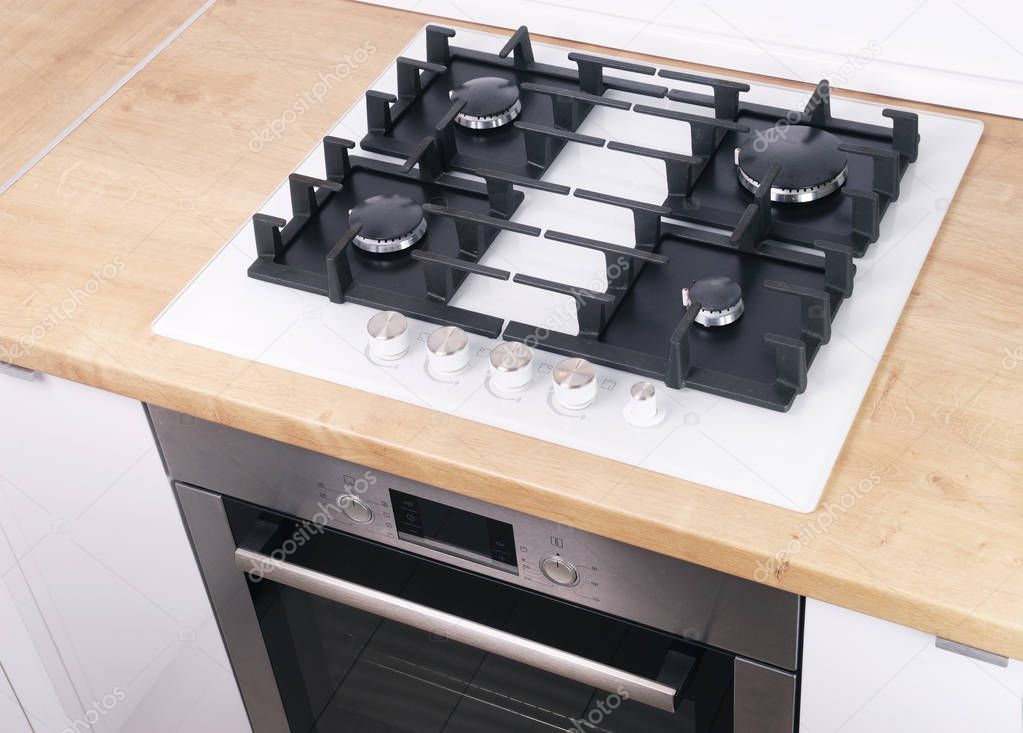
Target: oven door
[330, 632]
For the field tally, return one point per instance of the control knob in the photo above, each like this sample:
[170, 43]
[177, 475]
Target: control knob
[448, 349]
[388, 335]
[356, 509]
[511, 366]
[575, 383]
[559, 571]
[642, 410]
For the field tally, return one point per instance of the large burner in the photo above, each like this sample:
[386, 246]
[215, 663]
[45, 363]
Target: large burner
[720, 300]
[812, 166]
[390, 223]
[490, 102]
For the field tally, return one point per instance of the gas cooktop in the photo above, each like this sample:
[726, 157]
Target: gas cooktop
[639, 262]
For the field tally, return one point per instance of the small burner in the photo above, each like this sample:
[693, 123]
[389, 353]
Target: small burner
[490, 102]
[390, 223]
[720, 300]
[812, 166]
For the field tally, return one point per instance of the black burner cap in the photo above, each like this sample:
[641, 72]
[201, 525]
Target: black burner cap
[388, 216]
[715, 293]
[486, 96]
[808, 156]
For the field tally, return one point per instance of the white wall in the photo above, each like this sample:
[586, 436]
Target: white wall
[961, 54]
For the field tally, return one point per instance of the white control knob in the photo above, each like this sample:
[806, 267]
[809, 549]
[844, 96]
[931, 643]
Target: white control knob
[448, 348]
[388, 335]
[642, 410]
[559, 571]
[511, 366]
[356, 509]
[575, 383]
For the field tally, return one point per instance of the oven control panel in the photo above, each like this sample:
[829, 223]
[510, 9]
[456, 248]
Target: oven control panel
[486, 538]
[546, 556]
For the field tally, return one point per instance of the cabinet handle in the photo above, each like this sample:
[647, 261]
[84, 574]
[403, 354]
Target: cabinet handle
[971, 652]
[485, 638]
[20, 372]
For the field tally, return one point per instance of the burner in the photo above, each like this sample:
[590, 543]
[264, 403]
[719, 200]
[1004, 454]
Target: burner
[720, 300]
[390, 223]
[489, 102]
[812, 166]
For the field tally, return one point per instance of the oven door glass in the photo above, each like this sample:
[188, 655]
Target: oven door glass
[397, 668]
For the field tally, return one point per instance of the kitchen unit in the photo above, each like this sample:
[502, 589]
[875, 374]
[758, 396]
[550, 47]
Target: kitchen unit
[878, 555]
[852, 669]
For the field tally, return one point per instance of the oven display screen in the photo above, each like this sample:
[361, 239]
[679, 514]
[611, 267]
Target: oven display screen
[457, 532]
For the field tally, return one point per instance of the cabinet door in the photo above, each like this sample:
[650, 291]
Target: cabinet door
[12, 717]
[865, 675]
[91, 518]
[32, 678]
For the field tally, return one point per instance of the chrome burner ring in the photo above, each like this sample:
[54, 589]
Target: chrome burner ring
[489, 122]
[796, 195]
[395, 244]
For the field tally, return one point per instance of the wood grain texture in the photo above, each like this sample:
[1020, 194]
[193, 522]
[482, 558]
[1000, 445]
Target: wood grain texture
[57, 57]
[922, 521]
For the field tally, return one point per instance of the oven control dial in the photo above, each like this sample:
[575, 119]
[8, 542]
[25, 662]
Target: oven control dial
[575, 383]
[356, 509]
[448, 349]
[559, 570]
[388, 335]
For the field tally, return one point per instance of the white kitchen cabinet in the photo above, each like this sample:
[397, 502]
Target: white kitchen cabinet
[91, 522]
[12, 717]
[865, 675]
[29, 661]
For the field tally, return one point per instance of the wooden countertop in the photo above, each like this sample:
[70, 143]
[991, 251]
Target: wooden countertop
[57, 58]
[162, 175]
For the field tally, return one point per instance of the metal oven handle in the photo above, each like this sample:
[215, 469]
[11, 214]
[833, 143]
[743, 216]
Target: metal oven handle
[564, 664]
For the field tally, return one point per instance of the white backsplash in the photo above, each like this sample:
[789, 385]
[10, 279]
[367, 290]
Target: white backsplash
[967, 55]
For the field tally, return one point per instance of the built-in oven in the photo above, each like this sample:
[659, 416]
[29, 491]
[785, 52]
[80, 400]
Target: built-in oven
[351, 599]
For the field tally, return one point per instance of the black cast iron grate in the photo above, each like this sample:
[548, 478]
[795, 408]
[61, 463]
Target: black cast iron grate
[638, 324]
[552, 98]
[704, 188]
[314, 252]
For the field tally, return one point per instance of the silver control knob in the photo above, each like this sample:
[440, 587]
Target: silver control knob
[388, 335]
[642, 409]
[511, 366]
[356, 509]
[559, 571]
[575, 383]
[448, 348]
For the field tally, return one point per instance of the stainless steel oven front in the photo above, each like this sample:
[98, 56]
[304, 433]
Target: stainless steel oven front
[351, 599]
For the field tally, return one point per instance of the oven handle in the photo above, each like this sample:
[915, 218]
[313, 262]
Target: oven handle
[564, 664]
